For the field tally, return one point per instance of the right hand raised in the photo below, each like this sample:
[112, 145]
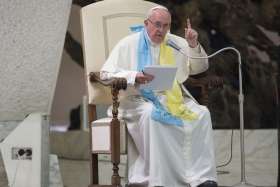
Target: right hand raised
[191, 35]
[143, 78]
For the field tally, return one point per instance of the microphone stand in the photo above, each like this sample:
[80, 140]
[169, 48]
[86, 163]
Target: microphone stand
[243, 182]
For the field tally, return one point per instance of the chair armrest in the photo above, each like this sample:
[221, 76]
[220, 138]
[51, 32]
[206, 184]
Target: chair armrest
[199, 86]
[114, 83]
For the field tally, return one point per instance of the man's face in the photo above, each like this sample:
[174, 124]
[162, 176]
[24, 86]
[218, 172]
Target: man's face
[158, 25]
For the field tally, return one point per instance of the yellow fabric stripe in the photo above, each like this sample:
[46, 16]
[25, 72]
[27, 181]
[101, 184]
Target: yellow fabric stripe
[175, 100]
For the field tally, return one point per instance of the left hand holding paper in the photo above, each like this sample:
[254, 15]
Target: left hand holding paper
[163, 77]
[143, 78]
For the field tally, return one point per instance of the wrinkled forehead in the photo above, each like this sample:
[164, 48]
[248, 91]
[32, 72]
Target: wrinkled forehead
[162, 17]
[159, 11]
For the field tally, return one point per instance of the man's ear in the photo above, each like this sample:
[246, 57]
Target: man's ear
[146, 22]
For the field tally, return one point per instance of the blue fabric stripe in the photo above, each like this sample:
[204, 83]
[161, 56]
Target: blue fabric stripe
[159, 113]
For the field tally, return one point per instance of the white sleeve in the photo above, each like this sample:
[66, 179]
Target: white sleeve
[197, 65]
[117, 65]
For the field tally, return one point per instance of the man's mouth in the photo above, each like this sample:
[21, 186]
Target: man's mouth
[159, 35]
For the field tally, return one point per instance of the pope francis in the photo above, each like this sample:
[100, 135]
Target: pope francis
[172, 132]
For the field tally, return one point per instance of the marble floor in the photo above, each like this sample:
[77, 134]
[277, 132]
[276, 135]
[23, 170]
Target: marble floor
[75, 173]
[260, 157]
[55, 179]
[71, 168]
[260, 151]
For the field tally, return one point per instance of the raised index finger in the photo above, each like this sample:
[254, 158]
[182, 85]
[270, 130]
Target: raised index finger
[189, 26]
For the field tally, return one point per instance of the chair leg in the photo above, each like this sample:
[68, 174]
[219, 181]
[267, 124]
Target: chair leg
[94, 166]
[93, 157]
[115, 139]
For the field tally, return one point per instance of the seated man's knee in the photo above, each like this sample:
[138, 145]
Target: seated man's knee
[146, 108]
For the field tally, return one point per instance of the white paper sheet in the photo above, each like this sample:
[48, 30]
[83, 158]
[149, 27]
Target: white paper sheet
[163, 77]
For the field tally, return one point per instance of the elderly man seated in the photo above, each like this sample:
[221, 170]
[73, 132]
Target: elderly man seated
[173, 133]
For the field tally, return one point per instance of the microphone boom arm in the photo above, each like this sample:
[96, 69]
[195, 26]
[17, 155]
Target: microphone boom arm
[243, 182]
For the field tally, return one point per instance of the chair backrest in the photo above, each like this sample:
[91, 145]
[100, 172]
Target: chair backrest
[103, 24]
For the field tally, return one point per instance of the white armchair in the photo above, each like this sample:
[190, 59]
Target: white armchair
[103, 24]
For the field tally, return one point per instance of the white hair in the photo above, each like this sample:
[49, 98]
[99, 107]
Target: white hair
[158, 7]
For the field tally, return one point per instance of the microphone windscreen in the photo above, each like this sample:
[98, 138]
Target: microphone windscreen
[172, 44]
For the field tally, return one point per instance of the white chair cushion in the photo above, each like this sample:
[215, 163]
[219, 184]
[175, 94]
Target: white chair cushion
[106, 123]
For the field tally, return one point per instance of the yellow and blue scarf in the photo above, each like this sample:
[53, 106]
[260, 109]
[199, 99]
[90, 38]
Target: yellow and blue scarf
[176, 110]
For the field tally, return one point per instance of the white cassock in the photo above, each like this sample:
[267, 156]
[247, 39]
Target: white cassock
[169, 155]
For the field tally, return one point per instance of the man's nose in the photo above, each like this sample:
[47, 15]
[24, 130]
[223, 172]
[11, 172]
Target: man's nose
[160, 29]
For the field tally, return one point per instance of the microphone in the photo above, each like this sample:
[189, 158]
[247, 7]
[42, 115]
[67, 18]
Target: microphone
[172, 44]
